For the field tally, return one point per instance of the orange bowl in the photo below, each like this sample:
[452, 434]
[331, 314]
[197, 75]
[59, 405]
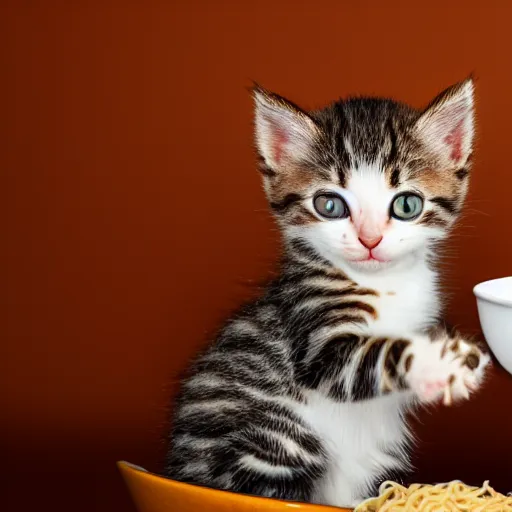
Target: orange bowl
[153, 493]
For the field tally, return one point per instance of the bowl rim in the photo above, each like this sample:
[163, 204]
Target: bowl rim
[481, 293]
[137, 478]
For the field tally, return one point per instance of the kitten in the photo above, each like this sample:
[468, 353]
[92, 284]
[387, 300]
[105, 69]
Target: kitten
[303, 395]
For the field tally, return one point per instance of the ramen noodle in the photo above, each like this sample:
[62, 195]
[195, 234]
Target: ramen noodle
[451, 496]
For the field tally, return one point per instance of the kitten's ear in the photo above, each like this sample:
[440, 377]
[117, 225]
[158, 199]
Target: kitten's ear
[447, 124]
[285, 134]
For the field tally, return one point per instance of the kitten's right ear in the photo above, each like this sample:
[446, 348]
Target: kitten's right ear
[447, 124]
[285, 134]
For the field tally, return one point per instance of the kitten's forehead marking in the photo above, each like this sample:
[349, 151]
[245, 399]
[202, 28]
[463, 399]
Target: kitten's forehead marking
[368, 184]
[350, 151]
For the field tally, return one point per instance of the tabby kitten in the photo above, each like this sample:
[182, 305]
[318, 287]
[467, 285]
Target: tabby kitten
[303, 394]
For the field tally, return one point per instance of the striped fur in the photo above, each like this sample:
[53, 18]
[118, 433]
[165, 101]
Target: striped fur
[303, 394]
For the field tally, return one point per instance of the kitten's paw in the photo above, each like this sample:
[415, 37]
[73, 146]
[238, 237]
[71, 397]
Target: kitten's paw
[446, 367]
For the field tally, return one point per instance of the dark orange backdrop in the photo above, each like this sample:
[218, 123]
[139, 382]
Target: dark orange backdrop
[136, 220]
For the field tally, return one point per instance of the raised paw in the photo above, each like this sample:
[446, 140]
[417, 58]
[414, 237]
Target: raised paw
[444, 366]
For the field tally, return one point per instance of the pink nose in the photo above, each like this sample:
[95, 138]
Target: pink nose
[370, 243]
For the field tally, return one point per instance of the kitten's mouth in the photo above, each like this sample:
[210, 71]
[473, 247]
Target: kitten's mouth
[371, 257]
[370, 263]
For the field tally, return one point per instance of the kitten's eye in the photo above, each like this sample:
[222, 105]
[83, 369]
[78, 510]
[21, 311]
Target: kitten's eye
[331, 206]
[406, 206]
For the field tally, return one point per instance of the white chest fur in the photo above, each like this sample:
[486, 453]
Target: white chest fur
[407, 301]
[358, 436]
[355, 436]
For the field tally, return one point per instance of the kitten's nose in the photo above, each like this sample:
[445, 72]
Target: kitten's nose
[371, 243]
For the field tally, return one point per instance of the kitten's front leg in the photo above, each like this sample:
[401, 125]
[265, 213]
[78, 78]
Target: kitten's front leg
[443, 365]
[354, 367]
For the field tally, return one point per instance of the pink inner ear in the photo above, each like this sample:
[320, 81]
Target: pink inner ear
[454, 140]
[280, 138]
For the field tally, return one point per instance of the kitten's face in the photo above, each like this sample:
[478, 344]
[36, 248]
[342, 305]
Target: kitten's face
[367, 183]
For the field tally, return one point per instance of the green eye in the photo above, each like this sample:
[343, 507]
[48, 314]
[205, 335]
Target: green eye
[331, 206]
[406, 206]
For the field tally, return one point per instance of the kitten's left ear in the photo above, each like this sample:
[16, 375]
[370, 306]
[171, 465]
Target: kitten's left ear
[285, 134]
[446, 126]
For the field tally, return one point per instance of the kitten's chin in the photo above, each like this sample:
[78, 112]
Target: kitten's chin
[377, 265]
[370, 265]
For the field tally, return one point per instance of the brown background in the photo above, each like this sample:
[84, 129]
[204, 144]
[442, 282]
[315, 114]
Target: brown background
[136, 220]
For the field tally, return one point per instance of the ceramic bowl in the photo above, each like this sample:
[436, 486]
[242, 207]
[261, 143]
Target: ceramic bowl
[494, 300]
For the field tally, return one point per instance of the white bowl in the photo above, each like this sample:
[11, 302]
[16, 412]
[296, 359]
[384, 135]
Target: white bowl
[494, 300]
